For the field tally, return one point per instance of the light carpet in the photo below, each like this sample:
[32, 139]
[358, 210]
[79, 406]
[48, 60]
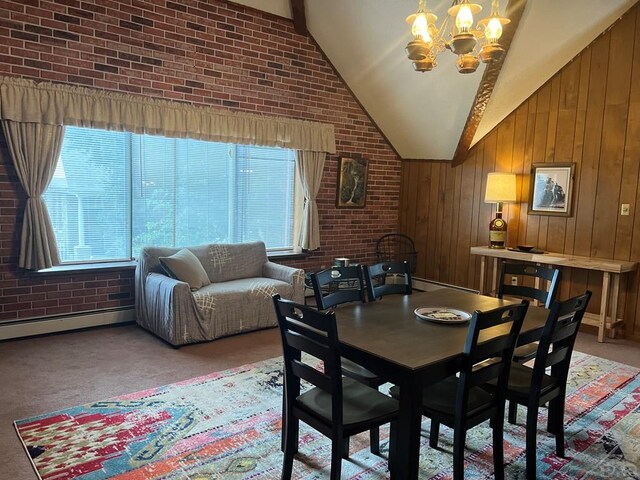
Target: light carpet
[226, 425]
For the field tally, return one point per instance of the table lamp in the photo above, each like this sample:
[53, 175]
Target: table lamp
[501, 187]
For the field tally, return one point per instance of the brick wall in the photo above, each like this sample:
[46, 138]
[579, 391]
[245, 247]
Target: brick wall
[205, 52]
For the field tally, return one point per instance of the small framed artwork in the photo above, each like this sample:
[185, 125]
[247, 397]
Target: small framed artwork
[352, 183]
[551, 189]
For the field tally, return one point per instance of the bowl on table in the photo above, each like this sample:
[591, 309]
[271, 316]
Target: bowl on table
[525, 248]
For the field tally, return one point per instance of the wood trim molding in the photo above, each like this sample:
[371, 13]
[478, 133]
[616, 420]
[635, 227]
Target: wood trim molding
[515, 8]
[299, 17]
[430, 160]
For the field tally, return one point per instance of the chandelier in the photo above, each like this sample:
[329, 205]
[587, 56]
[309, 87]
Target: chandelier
[470, 45]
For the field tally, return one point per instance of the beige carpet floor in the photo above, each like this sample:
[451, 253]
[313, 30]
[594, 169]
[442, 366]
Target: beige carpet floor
[48, 373]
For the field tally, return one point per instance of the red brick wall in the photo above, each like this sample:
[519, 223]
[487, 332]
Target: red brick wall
[206, 52]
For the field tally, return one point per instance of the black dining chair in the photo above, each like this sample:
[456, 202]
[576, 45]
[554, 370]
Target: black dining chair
[546, 296]
[336, 406]
[459, 401]
[388, 278]
[533, 387]
[335, 286]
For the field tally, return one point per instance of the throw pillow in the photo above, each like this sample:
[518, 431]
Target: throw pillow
[186, 267]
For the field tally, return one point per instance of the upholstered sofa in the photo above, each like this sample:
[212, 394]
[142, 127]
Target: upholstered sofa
[227, 292]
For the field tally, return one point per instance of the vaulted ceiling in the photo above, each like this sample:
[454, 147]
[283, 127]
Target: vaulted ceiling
[423, 115]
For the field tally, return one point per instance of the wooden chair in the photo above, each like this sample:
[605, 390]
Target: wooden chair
[460, 402]
[539, 273]
[378, 283]
[336, 406]
[337, 285]
[533, 387]
[397, 247]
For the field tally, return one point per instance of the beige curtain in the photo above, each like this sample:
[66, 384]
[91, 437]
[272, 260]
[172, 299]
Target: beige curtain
[35, 148]
[310, 166]
[23, 100]
[33, 115]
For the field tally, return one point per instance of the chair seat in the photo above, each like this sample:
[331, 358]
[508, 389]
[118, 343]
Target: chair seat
[520, 380]
[525, 352]
[354, 370]
[441, 397]
[361, 404]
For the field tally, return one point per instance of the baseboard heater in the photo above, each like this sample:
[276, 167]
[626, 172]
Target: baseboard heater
[40, 326]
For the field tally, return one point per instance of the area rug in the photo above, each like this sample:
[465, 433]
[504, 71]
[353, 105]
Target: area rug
[227, 426]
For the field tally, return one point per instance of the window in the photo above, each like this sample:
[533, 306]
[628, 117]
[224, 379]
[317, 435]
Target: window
[114, 192]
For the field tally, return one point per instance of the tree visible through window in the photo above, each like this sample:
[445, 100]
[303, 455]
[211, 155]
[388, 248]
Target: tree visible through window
[114, 192]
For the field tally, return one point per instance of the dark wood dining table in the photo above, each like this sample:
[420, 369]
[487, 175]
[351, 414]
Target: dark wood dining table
[386, 337]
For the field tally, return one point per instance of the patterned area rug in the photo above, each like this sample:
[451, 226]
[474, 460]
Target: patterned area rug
[227, 426]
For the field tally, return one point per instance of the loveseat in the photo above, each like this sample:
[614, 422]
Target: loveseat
[227, 290]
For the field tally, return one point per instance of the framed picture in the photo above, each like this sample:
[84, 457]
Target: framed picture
[551, 189]
[352, 183]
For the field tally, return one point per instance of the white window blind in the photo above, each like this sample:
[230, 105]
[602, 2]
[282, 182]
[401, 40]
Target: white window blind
[114, 192]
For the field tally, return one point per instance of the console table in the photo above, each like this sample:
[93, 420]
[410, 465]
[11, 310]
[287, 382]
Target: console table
[611, 271]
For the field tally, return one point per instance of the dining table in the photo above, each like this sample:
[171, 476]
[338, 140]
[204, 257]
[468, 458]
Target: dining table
[386, 337]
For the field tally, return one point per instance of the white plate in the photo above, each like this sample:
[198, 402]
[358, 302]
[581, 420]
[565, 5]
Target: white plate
[442, 315]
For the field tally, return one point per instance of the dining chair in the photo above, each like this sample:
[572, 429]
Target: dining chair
[397, 247]
[459, 401]
[546, 296]
[382, 279]
[335, 286]
[336, 406]
[533, 387]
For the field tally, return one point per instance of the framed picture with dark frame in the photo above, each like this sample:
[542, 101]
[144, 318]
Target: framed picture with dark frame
[551, 189]
[352, 183]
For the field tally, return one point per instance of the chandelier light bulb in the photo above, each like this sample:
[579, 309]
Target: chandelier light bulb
[493, 32]
[464, 18]
[420, 28]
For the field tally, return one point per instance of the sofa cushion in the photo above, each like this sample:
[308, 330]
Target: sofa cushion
[240, 305]
[185, 266]
[232, 261]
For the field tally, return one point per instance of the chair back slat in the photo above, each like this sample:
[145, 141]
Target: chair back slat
[558, 338]
[521, 291]
[485, 372]
[490, 359]
[564, 332]
[556, 356]
[487, 349]
[313, 376]
[337, 285]
[308, 345]
[379, 274]
[312, 331]
[542, 272]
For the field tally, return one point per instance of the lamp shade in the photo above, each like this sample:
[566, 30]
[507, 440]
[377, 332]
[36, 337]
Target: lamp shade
[501, 187]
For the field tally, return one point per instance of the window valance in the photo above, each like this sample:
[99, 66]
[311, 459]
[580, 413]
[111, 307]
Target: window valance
[24, 100]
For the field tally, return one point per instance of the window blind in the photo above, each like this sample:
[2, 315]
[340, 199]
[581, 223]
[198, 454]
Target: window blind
[115, 192]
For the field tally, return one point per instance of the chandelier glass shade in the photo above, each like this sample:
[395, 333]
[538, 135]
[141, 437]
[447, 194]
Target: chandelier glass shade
[470, 44]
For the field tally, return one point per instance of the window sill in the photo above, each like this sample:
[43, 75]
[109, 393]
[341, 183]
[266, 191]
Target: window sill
[286, 255]
[131, 265]
[88, 267]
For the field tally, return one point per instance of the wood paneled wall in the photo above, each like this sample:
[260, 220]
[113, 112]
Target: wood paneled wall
[588, 113]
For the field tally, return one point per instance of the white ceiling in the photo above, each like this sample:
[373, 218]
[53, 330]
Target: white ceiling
[423, 114]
